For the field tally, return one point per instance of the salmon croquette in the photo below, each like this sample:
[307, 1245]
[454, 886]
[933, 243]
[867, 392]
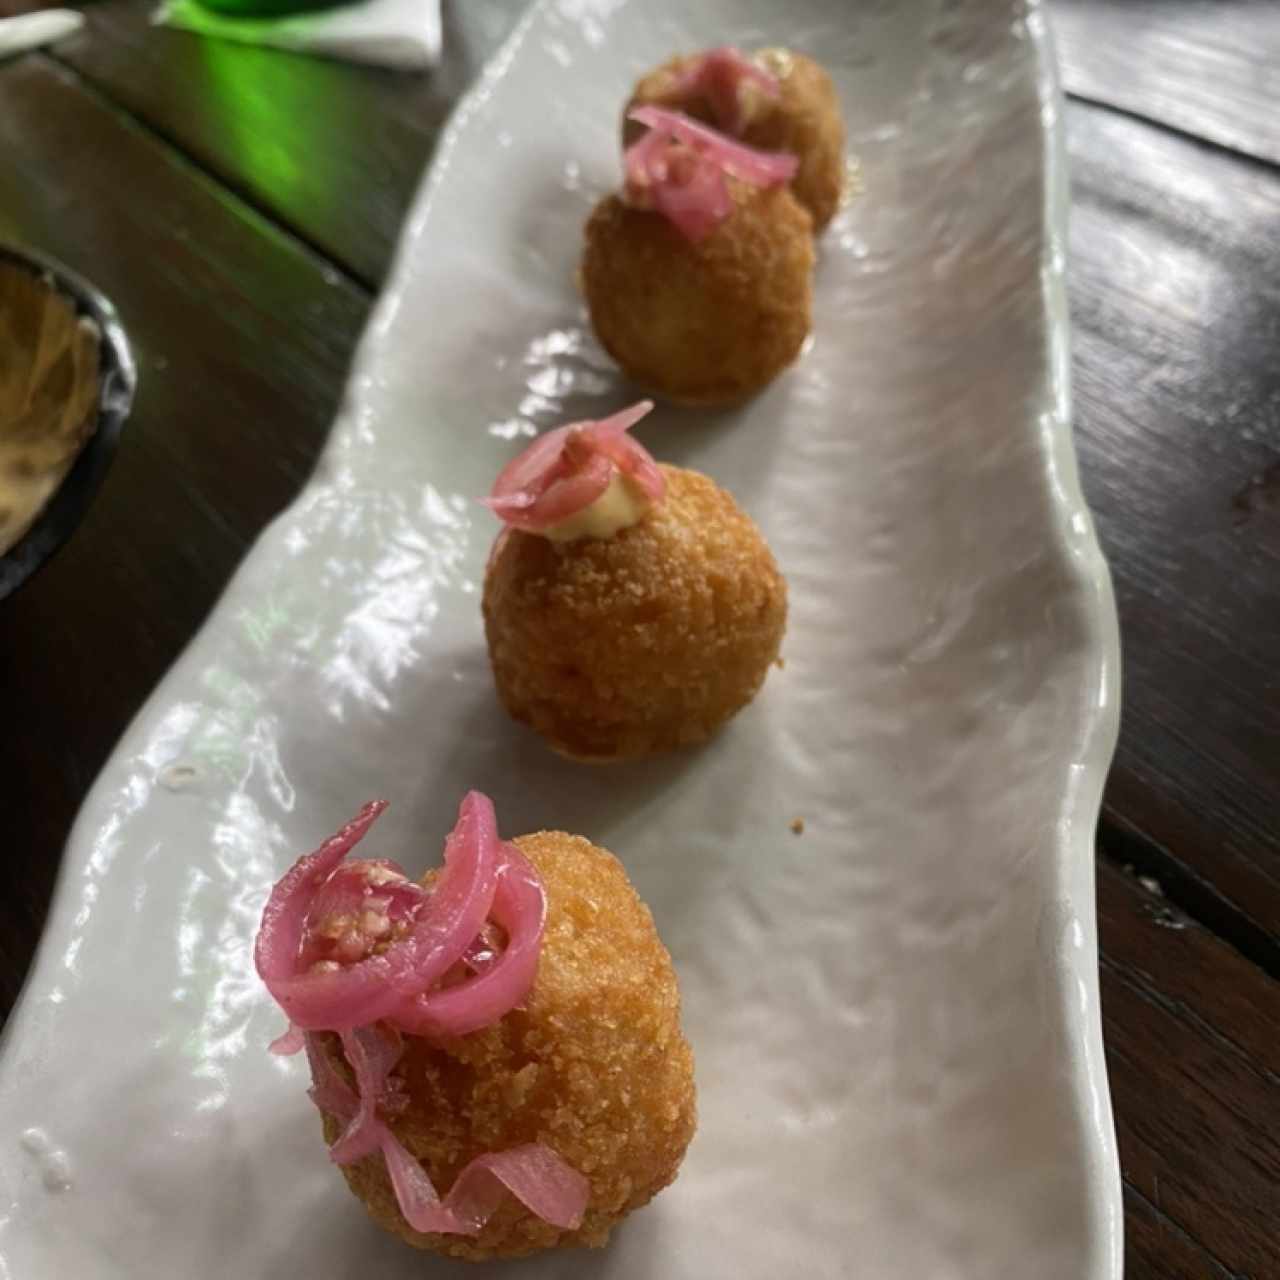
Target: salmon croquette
[706, 322]
[638, 642]
[495, 1049]
[775, 99]
[594, 1065]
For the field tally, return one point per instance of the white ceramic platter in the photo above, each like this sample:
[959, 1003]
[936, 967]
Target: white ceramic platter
[895, 1014]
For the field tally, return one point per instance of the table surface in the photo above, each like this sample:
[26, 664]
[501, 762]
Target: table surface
[241, 205]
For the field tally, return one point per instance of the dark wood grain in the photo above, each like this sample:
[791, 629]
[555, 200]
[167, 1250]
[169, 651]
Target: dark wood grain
[242, 342]
[1175, 290]
[1193, 1048]
[1157, 1249]
[332, 151]
[1207, 67]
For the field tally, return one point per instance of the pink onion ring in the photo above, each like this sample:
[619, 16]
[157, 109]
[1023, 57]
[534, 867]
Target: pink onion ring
[561, 499]
[520, 907]
[371, 1055]
[284, 918]
[747, 164]
[695, 204]
[289, 1042]
[351, 885]
[535, 1174]
[564, 471]
[329, 1091]
[539, 1178]
[720, 76]
[362, 903]
[678, 168]
[461, 898]
[358, 994]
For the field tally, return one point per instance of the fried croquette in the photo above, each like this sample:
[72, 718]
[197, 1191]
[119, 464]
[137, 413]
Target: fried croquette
[594, 1065]
[639, 643]
[804, 119]
[705, 323]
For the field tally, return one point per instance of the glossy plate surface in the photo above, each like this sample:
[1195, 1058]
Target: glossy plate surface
[895, 1013]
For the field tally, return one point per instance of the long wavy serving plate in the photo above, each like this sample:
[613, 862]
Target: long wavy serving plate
[895, 1013]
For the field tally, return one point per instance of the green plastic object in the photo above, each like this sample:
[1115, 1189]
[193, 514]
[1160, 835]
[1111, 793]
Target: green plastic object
[267, 8]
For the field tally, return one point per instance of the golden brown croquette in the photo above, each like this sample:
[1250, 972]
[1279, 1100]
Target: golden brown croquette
[595, 1066]
[705, 323]
[625, 646]
[804, 119]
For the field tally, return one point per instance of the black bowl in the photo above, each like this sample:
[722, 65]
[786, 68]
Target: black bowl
[117, 380]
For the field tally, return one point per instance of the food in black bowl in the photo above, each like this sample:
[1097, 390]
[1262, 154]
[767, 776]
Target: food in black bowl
[67, 380]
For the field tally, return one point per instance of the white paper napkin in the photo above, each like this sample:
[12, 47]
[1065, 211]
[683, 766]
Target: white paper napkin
[388, 33]
[31, 30]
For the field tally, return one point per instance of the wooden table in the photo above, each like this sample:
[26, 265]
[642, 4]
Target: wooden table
[240, 207]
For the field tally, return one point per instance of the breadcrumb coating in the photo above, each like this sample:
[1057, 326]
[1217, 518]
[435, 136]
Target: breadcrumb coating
[595, 1066]
[804, 119]
[626, 646]
[705, 323]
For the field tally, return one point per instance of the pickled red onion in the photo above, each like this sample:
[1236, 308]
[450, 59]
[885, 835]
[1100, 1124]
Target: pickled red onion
[685, 188]
[361, 902]
[543, 1182]
[359, 993]
[535, 1174]
[461, 898]
[329, 1091]
[747, 164]
[284, 919]
[564, 471]
[721, 76]
[304, 954]
[520, 907]
[562, 498]
[288, 1042]
[371, 1055]
[679, 168]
